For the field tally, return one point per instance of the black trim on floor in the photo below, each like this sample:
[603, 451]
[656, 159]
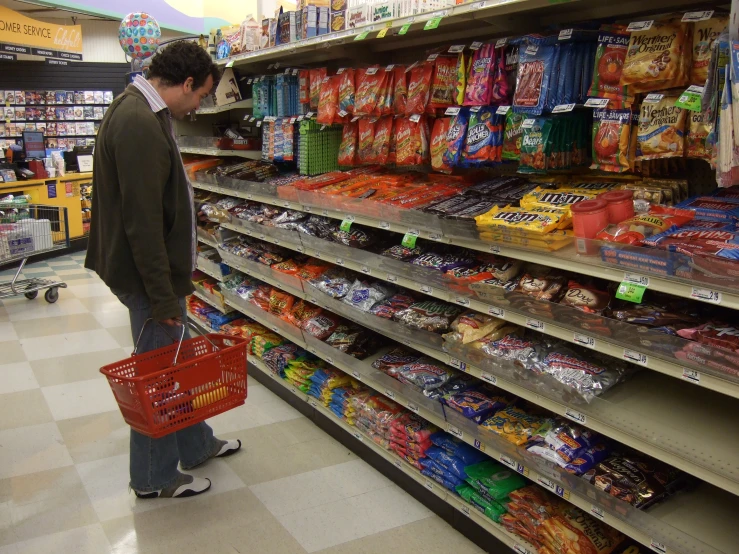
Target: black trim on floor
[452, 516]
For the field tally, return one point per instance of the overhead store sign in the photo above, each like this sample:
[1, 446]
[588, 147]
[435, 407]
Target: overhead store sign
[19, 29]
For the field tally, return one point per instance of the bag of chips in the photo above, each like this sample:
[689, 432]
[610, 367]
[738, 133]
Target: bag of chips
[483, 143]
[419, 88]
[369, 86]
[400, 89]
[455, 138]
[346, 91]
[498, 480]
[512, 136]
[380, 152]
[661, 130]
[366, 137]
[443, 83]
[348, 147]
[328, 102]
[695, 141]
[611, 138]
[411, 142]
[438, 145]
[316, 77]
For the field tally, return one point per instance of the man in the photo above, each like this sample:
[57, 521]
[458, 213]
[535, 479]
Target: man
[142, 242]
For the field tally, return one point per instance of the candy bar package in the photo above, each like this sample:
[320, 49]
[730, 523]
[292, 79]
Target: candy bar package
[363, 296]
[354, 237]
[471, 326]
[514, 425]
[354, 341]
[476, 404]
[389, 307]
[333, 282]
[587, 298]
[425, 374]
[480, 77]
[635, 478]
[396, 358]
[321, 326]
[442, 262]
[429, 315]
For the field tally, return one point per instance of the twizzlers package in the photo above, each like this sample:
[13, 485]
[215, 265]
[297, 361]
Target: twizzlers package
[532, 82]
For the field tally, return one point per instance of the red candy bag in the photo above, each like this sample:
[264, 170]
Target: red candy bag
[439, 145]
[304, 86]
[371, 81]
[443, 83]
[348, 148]
[315, 79]
[419, 89]
[366, 140]
[400, 89]
[387, 95]
[328, 102]
[346, 91]
[381, 143]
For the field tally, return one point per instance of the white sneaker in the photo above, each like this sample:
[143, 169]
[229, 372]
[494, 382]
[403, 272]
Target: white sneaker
[186, 485]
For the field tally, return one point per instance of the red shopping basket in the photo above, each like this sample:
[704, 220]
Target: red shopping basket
[171, 388]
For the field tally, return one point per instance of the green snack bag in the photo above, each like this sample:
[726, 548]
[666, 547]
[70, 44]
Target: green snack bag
[535, 145]
[496, 478]
[513, 135]
[495, 511]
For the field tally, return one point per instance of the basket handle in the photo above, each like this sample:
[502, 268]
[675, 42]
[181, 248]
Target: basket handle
[179, 342]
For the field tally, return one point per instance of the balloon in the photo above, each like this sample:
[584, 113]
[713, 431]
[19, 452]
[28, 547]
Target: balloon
[142, 25]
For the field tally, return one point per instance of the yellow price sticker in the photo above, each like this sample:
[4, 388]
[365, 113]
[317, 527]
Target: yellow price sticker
[383, 32]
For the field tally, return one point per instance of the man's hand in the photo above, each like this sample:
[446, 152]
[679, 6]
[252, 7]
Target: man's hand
[173, 321]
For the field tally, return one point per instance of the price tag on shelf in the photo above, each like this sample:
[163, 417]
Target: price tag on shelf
[658, 546]
[584, 340]
[346, 224]
[496, 312]
[383, 32]
[575, 416]
[597, 512]
[691, 98]
[429, 485]
[425, 289]
[362, 35]
[324, 213]
[392, 278]
[521, 549]
[639, 26]
[357, 375]
[259, 123]
[404, 29]
[390, 394]
[230, 64]
[475, 45]
[452, 110]
[500, 43]
[357, 435]
[535, 324]
[465, 509]
[340, 261]
[532, 49]
[383, 225]
[413, 408]
[636, 357]
[250, 81]
[489, 378]
[340, 70]
[692, 375]
[329, 360]
[435, 236]
[506, 461]
[630, 292]
[565, 34]
[415, 118]
[296, 71]
[706, 295]
[365, 270]
[522, 469]
[547, 484]
[312, 403]
[596, 103]
[563, 108]
[432, 23]
[392, 65]
[398, 464]
[342, 113]
[462, 301]
[409, 240]
[653, 98]
[309, 115]
[494, 249]
[697, 16]
[479, 445]
[300, 249]
[456, 431]
[528, 123]
[456, 48]
[502, 110]
[432, 57]
[459, 364]
[301, 117]
[262, 236]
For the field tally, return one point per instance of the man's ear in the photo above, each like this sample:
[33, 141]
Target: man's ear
[188, 84]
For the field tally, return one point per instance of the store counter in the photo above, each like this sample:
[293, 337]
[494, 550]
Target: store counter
[57, 191]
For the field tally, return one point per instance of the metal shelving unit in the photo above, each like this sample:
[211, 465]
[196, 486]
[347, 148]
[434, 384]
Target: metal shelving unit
[249, 154]
[212, 301]
[242, 105]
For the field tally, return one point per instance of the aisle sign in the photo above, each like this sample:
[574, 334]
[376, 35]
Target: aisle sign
[16, 28]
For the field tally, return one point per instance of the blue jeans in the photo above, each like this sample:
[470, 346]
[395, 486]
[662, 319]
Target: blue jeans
[154, 461]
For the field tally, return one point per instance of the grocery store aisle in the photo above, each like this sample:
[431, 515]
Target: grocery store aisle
[64, 456]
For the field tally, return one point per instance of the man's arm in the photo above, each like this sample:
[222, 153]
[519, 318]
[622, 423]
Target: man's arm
[143, 162]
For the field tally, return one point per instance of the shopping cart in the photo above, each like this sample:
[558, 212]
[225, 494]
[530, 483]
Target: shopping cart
[176, 386]
[27, 230]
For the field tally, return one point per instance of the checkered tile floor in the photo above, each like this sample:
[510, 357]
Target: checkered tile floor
[64, 455]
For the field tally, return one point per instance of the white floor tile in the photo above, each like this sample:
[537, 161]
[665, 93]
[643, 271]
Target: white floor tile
[80, 398]
[64, 272]
[54, 263]
[356, 477]
[106, 483]
[113, 318]
[7, 332]
[68, 344]
[17, 377]
[21, 309]
[253, 415]
[88, 291]
[353, 518]
[83, 540]
[30, 449]
[296, 493]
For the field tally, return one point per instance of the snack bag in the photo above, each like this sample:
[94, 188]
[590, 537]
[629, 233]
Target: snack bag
[304, 86]
[381, 143]
[443, 83]
[512, 136]
[535, 220]
[695, 140]
[346, 91]
[535, 144]
[610, 57]
[500, 91]
[348, 147]
[704, 34]
[661, 130]
[576, 531]
[461, 79]
[328, 102]
[411, 142]
[479, 145]
[316, 77]
[439, 145]
[370, 82]
[480, 76]
[535, 64]
[419, 86]
[611, 137]
[385, 102]
[635, 230]
[366, 139]
[400, 89]
[455, 138]
[280, 302]
[655, 57]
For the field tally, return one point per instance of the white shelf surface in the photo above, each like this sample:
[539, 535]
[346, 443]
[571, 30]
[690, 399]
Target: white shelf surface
[212, 301]
[241, 105]
[250, 154]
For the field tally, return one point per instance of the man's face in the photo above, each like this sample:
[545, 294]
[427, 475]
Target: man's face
[188, 99]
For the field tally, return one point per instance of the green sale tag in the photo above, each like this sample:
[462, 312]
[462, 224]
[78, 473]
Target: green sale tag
[690, 99]
[346, 224]
[404, 29]
[409, 240]
[432, 23]
[630, 292]
[362, 36]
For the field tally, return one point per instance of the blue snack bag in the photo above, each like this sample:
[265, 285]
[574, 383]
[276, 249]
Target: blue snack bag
[455, 447]
[431, 465]
[444, 460]
[535, 67]
[439, 479]
[455, 138]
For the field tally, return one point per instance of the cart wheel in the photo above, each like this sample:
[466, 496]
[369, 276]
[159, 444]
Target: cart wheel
[52, 295]
[32, 295]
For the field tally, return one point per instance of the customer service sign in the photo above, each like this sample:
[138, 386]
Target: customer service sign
[18, 29]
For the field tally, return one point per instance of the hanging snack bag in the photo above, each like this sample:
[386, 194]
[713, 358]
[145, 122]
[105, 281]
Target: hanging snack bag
[480, 76]
[455, 138]
[501, 91]
[419, 88]
[461, 79]
[610, 57]
[611, 136]
[704, 34]
[411, 144]
[348, 147]
[400, 89]
[304, 86]
[316, 77]
[346, 91]
[479, 146]
[532, 81]
[381, 143]
[385, 102]
[655, 57]
[365, 141]
[511, 64]
[370, 82]
[695, 140]
[661, 130]
[513, 135]
[439, 145]
[443, 83]
[535, 145]
[328, 102]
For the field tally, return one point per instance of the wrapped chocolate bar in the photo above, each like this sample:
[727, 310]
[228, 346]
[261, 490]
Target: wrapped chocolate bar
[363, 296]
[429, 315]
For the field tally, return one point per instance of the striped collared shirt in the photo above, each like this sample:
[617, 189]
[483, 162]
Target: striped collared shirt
[157, 104]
